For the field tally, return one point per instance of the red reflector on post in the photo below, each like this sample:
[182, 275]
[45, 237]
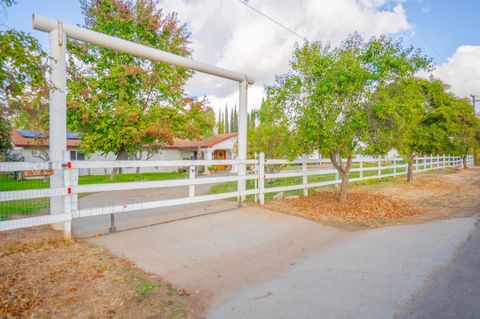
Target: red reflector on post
[69, 164]
[69, 190]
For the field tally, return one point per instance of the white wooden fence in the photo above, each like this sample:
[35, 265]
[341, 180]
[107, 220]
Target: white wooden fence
[363, 169]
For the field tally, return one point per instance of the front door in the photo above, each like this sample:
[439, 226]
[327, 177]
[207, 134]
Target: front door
[220, 155]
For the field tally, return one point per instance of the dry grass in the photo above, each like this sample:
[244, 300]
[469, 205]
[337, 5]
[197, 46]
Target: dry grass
[43, 276]
[361, 208]
[437, 195]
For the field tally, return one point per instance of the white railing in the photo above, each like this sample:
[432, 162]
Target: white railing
[364, 168]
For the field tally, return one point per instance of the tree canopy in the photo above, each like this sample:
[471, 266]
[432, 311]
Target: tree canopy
[329, 94]
[122, 104]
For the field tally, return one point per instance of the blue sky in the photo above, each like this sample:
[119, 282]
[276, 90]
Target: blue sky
[440, 25]
[443, 25]
[446, 30]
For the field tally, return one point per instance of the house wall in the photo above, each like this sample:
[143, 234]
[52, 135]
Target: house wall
[31, 155]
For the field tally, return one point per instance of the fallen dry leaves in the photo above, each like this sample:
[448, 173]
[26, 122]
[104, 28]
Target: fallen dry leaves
[43, 276]
[361, 208]
[438, 195]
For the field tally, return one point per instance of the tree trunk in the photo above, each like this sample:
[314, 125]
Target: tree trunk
[410, 169]
[122, 155]
[464, 157]
[342, 195]
[344, 171]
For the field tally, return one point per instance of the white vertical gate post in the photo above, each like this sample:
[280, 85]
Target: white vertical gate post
[416, 164]
[379, 167]
[57, 115]
[261, 178]
[242, 137]
[361, 169]
[191, 176]
[305, 177]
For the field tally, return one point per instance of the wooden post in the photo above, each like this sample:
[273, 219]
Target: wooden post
[361, 169]
[379, 168]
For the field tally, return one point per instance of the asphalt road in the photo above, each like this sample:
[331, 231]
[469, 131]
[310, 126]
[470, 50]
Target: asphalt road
[454, 290]
[370, 276]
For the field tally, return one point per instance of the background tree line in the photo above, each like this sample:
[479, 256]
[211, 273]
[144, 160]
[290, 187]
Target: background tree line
[362, 98]
[228, 122]
[119, 103]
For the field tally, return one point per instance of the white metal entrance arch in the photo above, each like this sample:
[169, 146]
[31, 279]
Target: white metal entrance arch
[58, 33]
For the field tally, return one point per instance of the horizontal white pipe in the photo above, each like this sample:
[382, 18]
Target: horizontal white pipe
[27, 166]
[47, 25]
[157, 204]
[90, 188]
[33, 221]
[32, 193]
[124, 164]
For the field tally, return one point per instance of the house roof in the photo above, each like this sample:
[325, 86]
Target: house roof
[23, 138]
[206, 143]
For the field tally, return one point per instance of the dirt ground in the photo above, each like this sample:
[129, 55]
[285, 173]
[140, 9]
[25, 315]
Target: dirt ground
[434, 195]
[43, 276]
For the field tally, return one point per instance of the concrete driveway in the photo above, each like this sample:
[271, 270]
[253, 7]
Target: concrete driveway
[219, 254]
[255, 263]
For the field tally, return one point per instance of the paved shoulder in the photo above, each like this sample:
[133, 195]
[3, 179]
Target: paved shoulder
[366, 277]
[454, 290]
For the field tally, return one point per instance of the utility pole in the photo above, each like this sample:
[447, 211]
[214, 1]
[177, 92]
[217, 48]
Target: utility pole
[475, 99]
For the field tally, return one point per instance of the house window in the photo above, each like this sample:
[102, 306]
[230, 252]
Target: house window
[76, 156]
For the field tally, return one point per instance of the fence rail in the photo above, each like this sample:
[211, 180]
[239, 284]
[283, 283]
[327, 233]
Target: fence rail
[321, 173]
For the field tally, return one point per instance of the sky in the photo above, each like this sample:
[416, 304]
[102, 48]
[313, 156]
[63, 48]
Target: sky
[229, 34]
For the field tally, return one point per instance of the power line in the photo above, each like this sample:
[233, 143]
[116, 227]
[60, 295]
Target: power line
[273, 20]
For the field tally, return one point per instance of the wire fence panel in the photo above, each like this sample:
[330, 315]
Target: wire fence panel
[106, 188]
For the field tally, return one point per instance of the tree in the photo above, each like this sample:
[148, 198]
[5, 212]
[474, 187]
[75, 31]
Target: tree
[272, 136]
[227, 120]
[5, 143]
[122, 104]
[23, 84]
[329, 93]
[412, 116]
[221, 123]
[465, 131]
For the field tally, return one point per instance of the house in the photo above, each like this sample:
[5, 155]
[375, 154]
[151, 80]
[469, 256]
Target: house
[31, 146]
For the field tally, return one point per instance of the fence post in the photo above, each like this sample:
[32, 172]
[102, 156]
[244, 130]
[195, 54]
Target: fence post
[67, 201]
[416, 164]
[361, 169]
[261, 178]
[424, 162]
[379, 168]
[394, 165]
[305, 177]
[191, 176]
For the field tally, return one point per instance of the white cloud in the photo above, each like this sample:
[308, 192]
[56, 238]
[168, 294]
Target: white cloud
[462, 71]
[230, 35]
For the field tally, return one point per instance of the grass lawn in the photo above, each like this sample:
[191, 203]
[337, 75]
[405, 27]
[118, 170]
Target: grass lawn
[287, 181]
[37, 205]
